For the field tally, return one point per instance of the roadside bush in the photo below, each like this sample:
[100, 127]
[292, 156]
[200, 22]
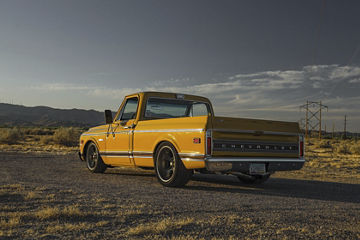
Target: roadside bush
[66, 136]
[10, 135]
[46, 139]
[343, 148]
[325, 144]
[38, 131]
[355, 149]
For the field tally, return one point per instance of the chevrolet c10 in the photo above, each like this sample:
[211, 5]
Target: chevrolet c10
[177, 134]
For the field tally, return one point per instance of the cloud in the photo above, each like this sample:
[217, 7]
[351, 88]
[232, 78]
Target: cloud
[268, 94]
[61, 87]
[112, 93]
[275, 89]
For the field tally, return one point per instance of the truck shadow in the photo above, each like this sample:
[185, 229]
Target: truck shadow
[327, 191]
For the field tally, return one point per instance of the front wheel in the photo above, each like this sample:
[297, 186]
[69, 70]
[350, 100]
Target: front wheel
[93, 159]
[169, 169]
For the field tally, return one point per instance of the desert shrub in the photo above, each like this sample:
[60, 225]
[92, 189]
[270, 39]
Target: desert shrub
[325, 144]
[10, 135]
[342, 148]
[355, 149]
[46, 139]
[66, 136]
[38, 131]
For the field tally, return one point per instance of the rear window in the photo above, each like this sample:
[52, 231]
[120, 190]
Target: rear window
[158, 108]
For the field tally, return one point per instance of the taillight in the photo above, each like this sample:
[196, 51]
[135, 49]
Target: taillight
[301, 145]
[208, 142]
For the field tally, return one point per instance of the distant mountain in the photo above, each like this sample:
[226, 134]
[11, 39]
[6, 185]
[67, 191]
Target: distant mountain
[18, 115]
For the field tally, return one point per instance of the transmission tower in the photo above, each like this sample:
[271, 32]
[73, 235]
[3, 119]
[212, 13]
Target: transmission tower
[313, 117]
[302, 124]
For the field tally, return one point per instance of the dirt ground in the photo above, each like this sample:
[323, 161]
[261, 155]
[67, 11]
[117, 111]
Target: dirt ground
[48, 196]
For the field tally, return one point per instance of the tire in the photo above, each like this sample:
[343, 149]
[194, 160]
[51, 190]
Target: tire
[253, 179]
[169, 169]
[93, 159]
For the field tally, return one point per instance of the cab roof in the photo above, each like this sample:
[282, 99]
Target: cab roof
[147, 94]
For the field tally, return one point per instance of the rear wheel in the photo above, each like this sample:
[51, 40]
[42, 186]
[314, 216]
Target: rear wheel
[169, 169]
[93, 160]
[253, 179]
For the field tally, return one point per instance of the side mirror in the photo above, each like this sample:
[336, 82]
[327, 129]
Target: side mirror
[108, 117]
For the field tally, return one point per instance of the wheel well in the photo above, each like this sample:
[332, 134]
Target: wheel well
[156, 148]
[85, 148]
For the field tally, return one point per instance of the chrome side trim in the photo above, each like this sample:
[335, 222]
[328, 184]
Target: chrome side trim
[93, 134]
[115, 153]
[254, 132]
[108, 133]
[120, 132]
[191, 155]
[142, 153]
[113, 156]
[98, 129]
[137, 154]
[141, 156]
[170, 130]
[229, 159]
[192, 159]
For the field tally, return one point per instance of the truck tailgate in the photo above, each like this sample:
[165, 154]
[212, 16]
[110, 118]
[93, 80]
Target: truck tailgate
[240, 137]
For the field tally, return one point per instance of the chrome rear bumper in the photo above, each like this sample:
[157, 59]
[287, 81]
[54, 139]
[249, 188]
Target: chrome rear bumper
[221, 164]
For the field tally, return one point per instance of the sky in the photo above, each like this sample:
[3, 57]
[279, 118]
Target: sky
[252, 59]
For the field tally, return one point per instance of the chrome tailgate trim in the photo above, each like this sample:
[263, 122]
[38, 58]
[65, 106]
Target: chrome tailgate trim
[253, 159]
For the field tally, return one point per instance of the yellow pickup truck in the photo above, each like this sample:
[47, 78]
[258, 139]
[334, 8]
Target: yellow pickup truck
[177, 134]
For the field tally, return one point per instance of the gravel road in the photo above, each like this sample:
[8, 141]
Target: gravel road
[217, 206]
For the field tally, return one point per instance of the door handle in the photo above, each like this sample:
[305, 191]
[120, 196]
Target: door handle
[130, 126]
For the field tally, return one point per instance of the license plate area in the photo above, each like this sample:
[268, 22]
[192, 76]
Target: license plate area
[257, 168]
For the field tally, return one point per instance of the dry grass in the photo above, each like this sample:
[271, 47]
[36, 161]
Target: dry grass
[31, 195]
[10, 135]
[38, 131]
[65, 218]
[12, 222]
[329, 160]
[22, 207]
[40, 140]
[159, 227]
[355, 148]
[66, 136]
[58, 213]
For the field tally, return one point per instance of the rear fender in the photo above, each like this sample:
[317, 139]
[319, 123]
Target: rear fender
[168, 138]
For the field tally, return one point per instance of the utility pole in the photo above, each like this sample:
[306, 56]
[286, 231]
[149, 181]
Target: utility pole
[320, 129]
[307, 120]
[333, 131]
[313, 117]
[345, 127]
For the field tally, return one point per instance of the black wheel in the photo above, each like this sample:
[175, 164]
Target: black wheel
[169, 169]
[255, 179]
[93, 160]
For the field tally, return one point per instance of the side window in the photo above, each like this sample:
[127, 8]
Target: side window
[129, 110]
[199, 109]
